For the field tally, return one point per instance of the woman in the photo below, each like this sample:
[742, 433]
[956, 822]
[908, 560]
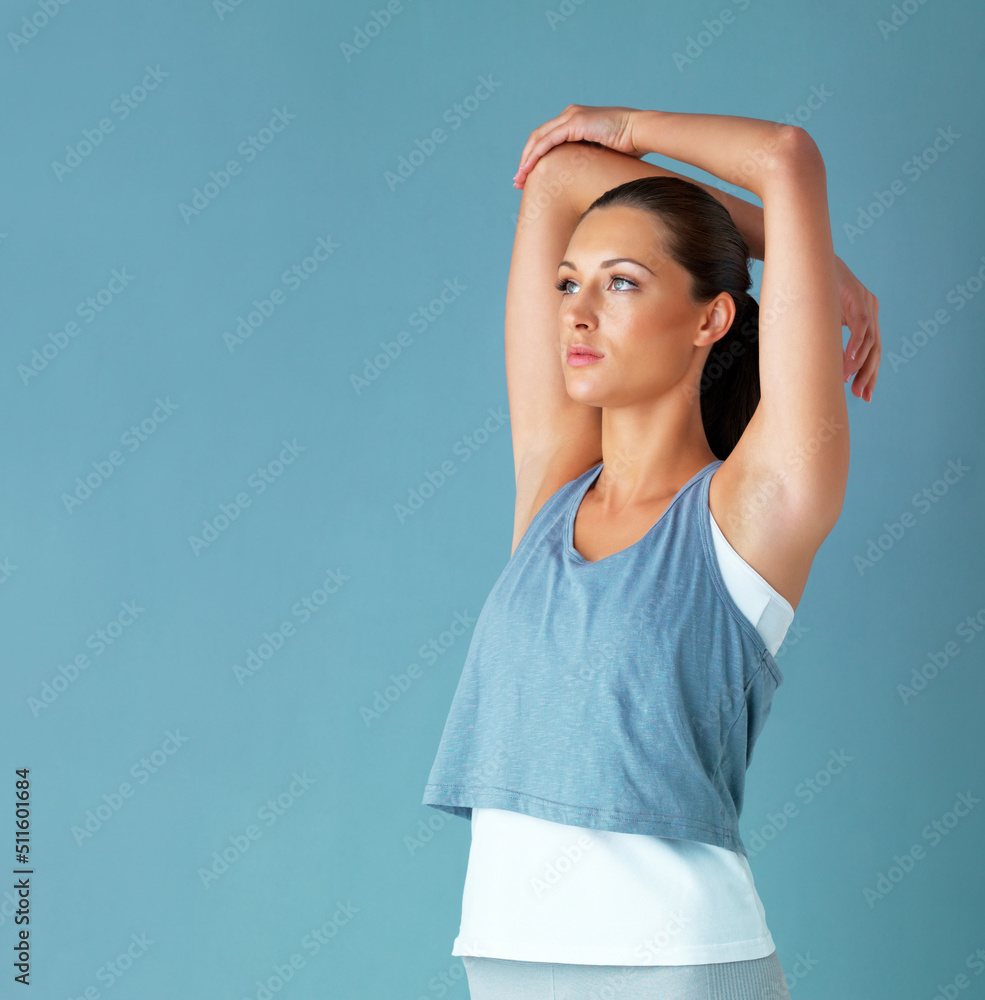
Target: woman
[680, 454]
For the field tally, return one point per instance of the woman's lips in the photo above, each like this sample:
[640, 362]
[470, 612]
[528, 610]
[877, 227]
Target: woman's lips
[579, 354]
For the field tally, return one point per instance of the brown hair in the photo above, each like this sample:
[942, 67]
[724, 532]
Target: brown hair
[703, 239]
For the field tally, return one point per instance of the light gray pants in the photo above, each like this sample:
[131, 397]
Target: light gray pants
[509, 979]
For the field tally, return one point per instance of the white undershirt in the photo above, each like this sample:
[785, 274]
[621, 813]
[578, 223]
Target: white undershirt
[618, 898]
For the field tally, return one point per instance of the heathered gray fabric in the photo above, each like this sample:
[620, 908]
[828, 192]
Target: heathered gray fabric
[754, 979]
[624, 694]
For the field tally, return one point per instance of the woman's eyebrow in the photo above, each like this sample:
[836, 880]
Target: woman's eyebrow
[606, 263]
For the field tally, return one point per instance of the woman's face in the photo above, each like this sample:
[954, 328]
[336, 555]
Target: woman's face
[635, 313]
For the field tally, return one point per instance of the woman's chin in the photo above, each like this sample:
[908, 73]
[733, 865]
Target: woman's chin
[589, 395]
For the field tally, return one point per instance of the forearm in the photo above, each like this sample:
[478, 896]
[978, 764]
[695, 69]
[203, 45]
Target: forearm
[590, 169]
[742, 151]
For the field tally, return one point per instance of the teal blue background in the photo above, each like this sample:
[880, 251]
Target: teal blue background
[342, 838]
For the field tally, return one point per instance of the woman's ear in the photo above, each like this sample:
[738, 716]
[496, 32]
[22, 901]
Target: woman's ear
[718, 317]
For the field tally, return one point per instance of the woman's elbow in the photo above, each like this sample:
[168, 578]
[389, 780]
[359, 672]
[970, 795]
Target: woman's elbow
[795, 151]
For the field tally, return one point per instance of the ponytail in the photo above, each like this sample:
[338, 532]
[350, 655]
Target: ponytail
[729, 384]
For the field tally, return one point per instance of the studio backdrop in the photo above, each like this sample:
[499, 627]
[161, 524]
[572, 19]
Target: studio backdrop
[258, 479]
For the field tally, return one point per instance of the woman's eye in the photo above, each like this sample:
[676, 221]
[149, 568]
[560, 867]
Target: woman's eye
[562, 284]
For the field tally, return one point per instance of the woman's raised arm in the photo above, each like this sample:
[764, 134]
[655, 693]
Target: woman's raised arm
[796, 446]
[555, 438]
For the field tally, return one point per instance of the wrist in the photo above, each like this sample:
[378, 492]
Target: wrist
[642, 125]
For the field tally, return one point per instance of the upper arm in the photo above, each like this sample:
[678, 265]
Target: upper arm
[555, 438]
[790, 465]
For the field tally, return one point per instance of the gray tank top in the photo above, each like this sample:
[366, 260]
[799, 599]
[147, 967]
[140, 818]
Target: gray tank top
[623, 694]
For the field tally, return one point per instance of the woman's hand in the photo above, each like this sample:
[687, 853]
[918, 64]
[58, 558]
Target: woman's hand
[612, 127]
[860, 313]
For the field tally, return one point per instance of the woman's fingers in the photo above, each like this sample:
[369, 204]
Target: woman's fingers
[541, 131]
[562, 132]
[868, 363]
[865, 365]
[854, 365]
[865, 380]
[553, 138]
[607, 126]
[859, 334]
[860, 313]
[856, 338]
